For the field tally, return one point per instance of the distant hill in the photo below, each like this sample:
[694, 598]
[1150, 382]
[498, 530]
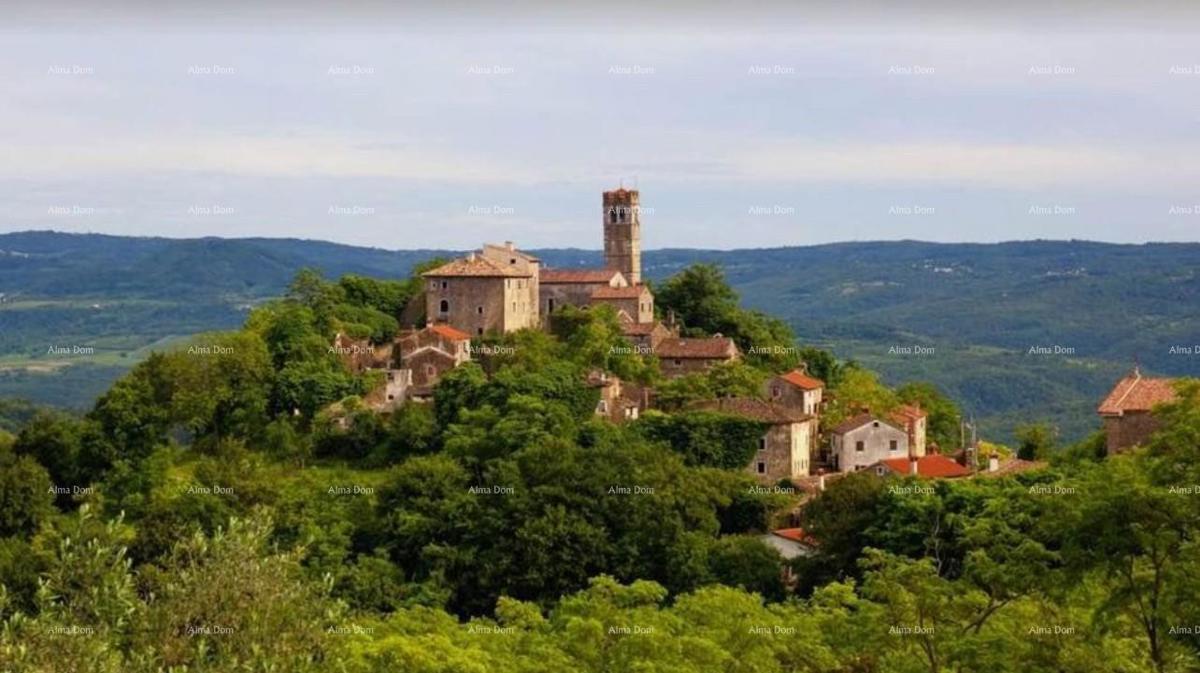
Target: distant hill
[979, 307]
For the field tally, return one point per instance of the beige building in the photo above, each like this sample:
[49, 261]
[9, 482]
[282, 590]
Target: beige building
[798, 390]
[865, 440]
[633, 304]
[785, 450]
[913, 419]
[493, 290]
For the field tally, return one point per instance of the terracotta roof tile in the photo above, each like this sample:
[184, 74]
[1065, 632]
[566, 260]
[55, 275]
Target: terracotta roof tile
[752, 408]
[581, 276]
[712, 348]
[909, 412]
[475, 266]
[630, 328]
[858, 421]
[929, 467]
[802, 380]
[1137, 393]
[450, 333]
[631, 292]
[795, 535]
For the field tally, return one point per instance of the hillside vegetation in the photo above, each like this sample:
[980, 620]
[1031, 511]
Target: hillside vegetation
[978, 307]
[231, 505]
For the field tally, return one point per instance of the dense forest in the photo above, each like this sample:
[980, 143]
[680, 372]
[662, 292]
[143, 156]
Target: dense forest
[979, 307]
[231, 504]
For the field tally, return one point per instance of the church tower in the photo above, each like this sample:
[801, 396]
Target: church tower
[623, 234]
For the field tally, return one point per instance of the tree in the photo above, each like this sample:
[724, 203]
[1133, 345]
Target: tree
[706, 438]
[26, 495]
[1035, 441]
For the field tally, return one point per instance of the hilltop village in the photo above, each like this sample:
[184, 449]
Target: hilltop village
[499, 289]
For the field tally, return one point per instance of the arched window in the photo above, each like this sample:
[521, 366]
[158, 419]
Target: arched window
[444, 307]
[612, 216]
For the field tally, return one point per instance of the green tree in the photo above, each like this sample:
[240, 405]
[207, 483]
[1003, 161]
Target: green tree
[1035, 441]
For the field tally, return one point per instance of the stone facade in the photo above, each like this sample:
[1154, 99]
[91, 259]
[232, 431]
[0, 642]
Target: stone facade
[865, 440]
[647, 336]
[913, 420]
[1128, 409]
[431, 352]
[785, 450]
[679, 357]
[623, 233]
[559, 288]
[480, 293]
[633, 304]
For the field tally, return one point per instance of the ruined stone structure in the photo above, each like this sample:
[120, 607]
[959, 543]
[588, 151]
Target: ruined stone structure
[431, 352]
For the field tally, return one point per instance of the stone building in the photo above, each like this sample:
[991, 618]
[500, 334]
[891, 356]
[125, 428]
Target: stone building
[431, 352]
[679, 357]
[864, 440]
[913, 419]
[796, 389]
[647, 336]
[785, 450]
[492, 290]
[574, 287]
[633, 304]
[619, 401]
[623, 233]
[1127, 410]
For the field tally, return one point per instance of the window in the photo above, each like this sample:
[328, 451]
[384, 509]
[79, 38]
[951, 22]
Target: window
[879, 470]
[514, 306]
[762, 467]
[602, 407]
[775, 391]
[444, 307]
[678, 362]
[612, 216]
[892, 445]
[512, 260]
[479, 310]
[858, 446]
[549, 305]
[445, 284]
[762, 443]
[875, 424]
[430, 371]
[479, 331]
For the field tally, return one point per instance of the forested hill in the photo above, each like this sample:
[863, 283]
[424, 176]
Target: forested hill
[979, 307]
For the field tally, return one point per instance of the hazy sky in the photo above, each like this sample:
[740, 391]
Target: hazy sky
[439, 131]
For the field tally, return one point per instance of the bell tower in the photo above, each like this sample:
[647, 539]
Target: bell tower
[623, 234]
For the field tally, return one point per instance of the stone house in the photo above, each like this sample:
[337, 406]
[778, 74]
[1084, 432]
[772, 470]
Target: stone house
[633, 304]
[1127, 411]
[864, 440]
[646, 336]
[396, 389]
[679, 357]
[913, 419]
[359, 355]
[574, 287]
[785, 450]
[431, 352]
[797, 390]
[619, 401]
[494, 290]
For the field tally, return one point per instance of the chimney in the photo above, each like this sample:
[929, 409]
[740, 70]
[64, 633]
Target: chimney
[509, 245]
[993, 463]
[821, 481]
[912, 467]
[471, 256]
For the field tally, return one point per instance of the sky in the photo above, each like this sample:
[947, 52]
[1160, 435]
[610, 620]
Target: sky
[429, 128]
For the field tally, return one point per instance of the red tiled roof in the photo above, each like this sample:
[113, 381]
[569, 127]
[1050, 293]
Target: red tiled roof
[929, 467]
[581, 276]
[510, 250]
[754, 409]
[450, 333]
[858, 421]
[712, 348]
[476, 266]
[802, 380]
[1137, 393]
[631, 292]
[1013, 466]
[795, 535]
